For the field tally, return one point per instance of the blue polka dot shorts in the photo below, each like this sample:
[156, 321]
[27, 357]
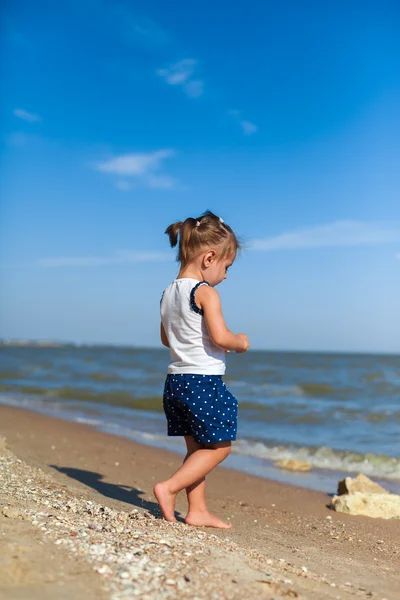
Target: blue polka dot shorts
[200, 406]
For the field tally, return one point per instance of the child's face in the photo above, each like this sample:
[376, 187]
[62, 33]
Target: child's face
[217, 271]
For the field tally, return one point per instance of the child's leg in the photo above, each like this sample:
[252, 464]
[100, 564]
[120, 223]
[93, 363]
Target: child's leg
[195, 467]
[196, 493]
[198, 513]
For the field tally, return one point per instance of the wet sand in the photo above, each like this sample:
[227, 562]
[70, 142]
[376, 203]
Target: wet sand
[285, 541]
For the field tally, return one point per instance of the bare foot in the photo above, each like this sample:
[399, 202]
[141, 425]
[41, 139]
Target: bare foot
[205, 519]
[166, 500]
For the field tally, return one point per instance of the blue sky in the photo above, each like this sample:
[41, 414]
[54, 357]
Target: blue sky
[119, 118]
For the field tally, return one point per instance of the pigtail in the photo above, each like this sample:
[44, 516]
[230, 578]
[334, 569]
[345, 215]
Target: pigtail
[172, 232]
[187, 239]
[208, 230]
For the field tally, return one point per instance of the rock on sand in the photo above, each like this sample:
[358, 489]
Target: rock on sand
[379, 506]
[362, 484]
[362, 496]
[292, 464]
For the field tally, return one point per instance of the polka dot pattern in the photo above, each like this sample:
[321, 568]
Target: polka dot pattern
[200, 406]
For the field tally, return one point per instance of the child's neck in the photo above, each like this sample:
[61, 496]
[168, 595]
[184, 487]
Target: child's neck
[192, 272]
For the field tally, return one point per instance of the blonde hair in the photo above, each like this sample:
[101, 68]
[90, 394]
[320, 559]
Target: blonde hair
[207, 231]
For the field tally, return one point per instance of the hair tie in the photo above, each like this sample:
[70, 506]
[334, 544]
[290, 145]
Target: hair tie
[221, 220]
[197, 223]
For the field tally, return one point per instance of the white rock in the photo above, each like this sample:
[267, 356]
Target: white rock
[14, 513]
[379, 506]
[361, 483]
[292, 464]
[103, 570]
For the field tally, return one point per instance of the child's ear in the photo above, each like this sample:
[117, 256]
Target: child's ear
[209, 258]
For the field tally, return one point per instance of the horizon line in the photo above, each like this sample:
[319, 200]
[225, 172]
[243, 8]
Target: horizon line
[49, 343]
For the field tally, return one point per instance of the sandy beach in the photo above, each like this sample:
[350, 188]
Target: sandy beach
[78, 519]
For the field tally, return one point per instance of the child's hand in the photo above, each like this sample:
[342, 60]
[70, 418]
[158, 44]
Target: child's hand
[244, 343]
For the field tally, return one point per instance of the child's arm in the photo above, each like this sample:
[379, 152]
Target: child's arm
[164, 339]
[207, 298]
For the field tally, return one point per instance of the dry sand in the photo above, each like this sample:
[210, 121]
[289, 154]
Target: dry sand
[100, 535]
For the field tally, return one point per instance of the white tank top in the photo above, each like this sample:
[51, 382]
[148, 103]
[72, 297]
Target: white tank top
[192, 350]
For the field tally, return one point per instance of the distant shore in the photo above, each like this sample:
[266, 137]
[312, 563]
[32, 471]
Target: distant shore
[291, 530]
[21, 343]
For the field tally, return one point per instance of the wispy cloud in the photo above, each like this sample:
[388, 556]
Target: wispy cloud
[133, 27]
[139, 29]
[247, 127]
[336, 234]
[120, 257]
[143, 30]
[180, 74]
[20, 113]
[140, 167]
[128, 24]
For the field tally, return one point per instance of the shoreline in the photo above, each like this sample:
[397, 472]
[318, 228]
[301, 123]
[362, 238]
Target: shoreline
[318, 478]
[288, 525]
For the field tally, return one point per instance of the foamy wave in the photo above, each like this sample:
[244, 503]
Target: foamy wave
[267, 389]
[91, 422]
[377, 465]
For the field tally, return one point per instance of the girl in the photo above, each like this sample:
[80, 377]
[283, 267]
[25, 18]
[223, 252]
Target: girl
[196, 402]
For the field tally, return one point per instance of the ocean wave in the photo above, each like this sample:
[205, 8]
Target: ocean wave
[265, 389]
[316, 390]
[111, 397]
[296, 409]
[323, 457]
[305, 389]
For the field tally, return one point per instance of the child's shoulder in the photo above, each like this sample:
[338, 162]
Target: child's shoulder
[207, 295]
[206, 290]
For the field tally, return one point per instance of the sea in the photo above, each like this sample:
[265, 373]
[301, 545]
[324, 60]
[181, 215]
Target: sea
[339, 412]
